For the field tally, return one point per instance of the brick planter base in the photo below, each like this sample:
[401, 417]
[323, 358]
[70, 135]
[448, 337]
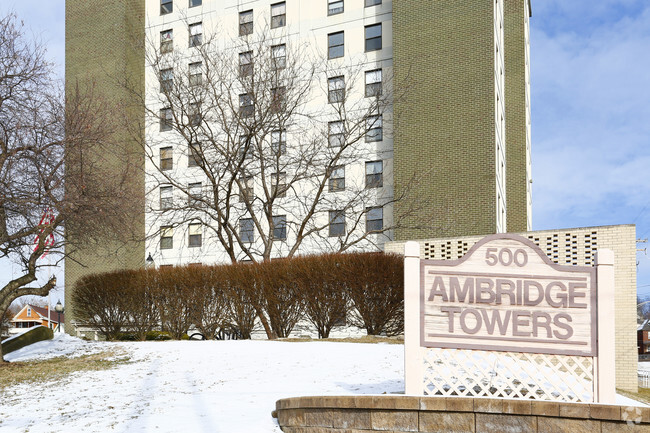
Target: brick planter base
[358, 414]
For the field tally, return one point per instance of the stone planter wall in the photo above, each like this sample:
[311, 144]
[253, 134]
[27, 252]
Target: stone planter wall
[358, 414]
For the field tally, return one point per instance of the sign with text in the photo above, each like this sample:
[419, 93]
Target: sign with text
[506, 295]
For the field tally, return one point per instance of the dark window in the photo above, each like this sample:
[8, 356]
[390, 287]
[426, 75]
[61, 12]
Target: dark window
[166, 197]
[194, 156]
[246, 23]
[247, 230]
[334, 7]
[374, 128]
[247, 190]
[195, 235]
[336, 133]
[280, 227]
[374, 219]
[337, 179]
[166, 7]
[246, 105]
[196, 73]
[374, 174]
[373, 83]
[166, 79]
[195, 194]
[166, 238]
[372, 2]
[166, 41]
[278, 95]
[195, 3]
[246, 64]
[166, 119]
[166, 158]
[279, 184]
[245, 147]
[279, 142]
[278, 15]
[373, 37]
[194, 115]
[335, 89]
[279, 56]
[335, 45]
[337, 223]
[196, 34]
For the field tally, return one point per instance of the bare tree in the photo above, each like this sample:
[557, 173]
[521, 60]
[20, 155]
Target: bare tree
[264, 160]
[42, 131]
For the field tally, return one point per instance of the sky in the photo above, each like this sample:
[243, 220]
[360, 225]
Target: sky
[590, 87]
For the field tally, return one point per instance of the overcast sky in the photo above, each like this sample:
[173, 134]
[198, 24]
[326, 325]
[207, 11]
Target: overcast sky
[590, 82]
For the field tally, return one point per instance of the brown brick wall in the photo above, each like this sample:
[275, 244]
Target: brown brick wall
[515, 94]
[104, 44]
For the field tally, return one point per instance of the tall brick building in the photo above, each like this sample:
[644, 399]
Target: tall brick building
[460, 139]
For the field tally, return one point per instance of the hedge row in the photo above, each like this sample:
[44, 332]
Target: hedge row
[360, 289]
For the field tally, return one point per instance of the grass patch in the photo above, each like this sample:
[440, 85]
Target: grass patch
[370, 339]
[13, 373]
[643, 395]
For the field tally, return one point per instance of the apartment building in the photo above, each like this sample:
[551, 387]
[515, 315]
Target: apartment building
[410, 119]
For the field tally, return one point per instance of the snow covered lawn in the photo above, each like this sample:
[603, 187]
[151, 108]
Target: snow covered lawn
[199, 386]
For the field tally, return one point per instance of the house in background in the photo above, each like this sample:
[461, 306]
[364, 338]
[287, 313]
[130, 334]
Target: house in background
[30, 316]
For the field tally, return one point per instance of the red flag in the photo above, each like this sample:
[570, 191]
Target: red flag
[46, 220]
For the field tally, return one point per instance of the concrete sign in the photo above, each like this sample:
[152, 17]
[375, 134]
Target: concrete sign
[506, 295]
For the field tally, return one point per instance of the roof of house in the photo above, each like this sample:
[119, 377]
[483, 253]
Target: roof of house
[43, 312]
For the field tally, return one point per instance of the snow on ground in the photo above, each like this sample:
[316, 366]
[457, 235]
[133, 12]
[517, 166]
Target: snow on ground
[198, 386]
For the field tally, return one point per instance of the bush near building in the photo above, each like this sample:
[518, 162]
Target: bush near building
[362, 289]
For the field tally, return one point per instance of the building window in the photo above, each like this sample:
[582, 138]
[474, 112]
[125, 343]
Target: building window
[166, 237]
[247, 230]
[195, 3]
[279, 56]
[374, 219]
[166, 41]
[279, 142]
[29, 312]
[372, 2]
[373, 37]
[246, 64]
[194, 231]
[334, 7]
[194, 155]
[336, 133]
[245, 147]
[337, 179]
[166, 80]
[166, 158]
[246, 105]
[278, 15]
[280, 227]
[335, 89]
[246, 23]
[196, 34]
[374, 174]
[166, 197]
[194, 114]
[373, 83]
[278, 95]
[196, 73]
[279, 185]
[374, 128]
[247, 188]
[195, 194]
[166, 7]
[166, 119]
[335, 45]
[337, 223]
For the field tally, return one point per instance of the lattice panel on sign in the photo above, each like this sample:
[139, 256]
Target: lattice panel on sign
[473, 373]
